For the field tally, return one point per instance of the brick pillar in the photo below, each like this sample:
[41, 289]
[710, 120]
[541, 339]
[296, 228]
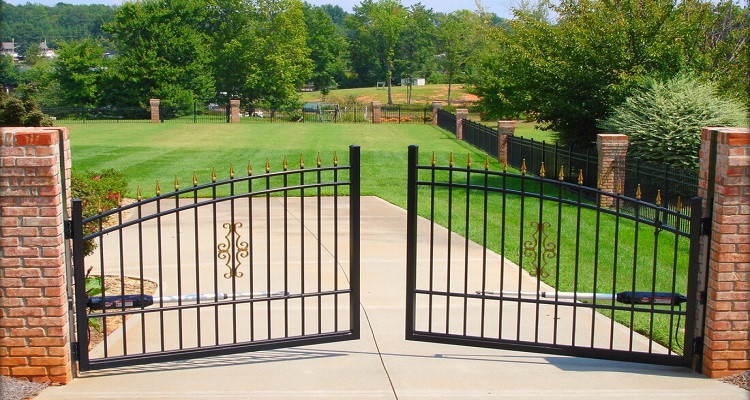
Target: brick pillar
[155, 110]
[504, 129]
[726, 349]
[435, 107]
[34, 329]
[376, 112]
[461, 114]
[234, 106]
[612, 149]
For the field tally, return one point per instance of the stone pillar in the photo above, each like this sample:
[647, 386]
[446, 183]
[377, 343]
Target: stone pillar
[376, 112]
[461, 114]
[155, 110]
[504, 129]
[612, 149]
[726, 347]
[34, 329]
[234, 106]
[435, 107]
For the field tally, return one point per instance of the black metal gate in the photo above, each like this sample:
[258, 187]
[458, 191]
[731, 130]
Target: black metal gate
[249, 263]
[537, 264]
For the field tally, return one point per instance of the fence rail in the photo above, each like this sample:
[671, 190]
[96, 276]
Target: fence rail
[446, 121]
[99, 114]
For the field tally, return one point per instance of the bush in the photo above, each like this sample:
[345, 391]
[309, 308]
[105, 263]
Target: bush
[664, 120]
[98, 192]
[21, 112]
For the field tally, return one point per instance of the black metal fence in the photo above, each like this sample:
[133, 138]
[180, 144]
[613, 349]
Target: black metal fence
[100, 114]
[531, 264]
[574, 166]
[480, 136]
[249, 263]
[446, 121]
[405, 115]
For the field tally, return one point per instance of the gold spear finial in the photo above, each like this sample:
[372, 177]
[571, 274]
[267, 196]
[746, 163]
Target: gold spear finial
[450, 160]
[176, 184]
[318, 161]
[99, 207]
[486, 162]
[335, 158]
[213, 174]
[138, 195]
[285, 165]
[158, 188]
[523, 167]
[561, 175]
[580, 176]
[249, 168]
[195, 178]
[231, 171]
[542, 171]
[268, 165]
[658, 197]
[679, 203]
[301, 161]
[433, 158]
[468, 160]
[638, 192]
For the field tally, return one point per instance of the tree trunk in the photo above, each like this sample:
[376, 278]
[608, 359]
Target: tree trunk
[450, 83]
[390, 99]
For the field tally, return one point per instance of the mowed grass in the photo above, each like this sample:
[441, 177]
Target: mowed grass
[145, 153]
[421, 95]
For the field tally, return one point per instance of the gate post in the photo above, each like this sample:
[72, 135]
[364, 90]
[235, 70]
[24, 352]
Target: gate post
[435, 107]
[504, 129]
[34, 328]
[726, 340]
[612, 149]
[155, 110]
[234, 105]
[461, 114]
[376, 112]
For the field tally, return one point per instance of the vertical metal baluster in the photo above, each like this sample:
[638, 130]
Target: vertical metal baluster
[484, 243]
[286, 246]
[121, 251]
[520, 248]
[432, 242]
[658, 220]
[179, 260]
[302, 237]
[233, 240]
[320, 245]
[633, 287]
[251, 247]
[216, 260]
[198, 309]
[160, 265]
[411, 239]
[335, 243]
[466, 244]
[354, 238]
[561, 179]
[576, 265]
[597, 236]
[141, 267]
[615, 256]
[268, 247]
[450, 245]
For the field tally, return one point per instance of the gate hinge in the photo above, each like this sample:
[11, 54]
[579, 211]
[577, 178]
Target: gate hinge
[74, 350]
[68, 229]
[706, 225]
[698, 345]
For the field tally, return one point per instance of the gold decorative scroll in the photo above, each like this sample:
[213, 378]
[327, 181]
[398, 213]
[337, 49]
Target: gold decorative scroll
[233, 251]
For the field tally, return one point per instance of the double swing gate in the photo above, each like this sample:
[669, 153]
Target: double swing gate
[522, 261]
[255, 262]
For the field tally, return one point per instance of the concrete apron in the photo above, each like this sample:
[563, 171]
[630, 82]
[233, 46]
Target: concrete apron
[382, 365]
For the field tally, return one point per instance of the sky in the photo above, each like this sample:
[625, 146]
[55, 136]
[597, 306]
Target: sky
[499, 7]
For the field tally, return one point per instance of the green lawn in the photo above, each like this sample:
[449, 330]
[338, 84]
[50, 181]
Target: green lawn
[421, 95]
[145, 153]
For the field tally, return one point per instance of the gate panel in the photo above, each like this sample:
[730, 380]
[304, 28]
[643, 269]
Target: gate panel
[536, 265]
[255, 262]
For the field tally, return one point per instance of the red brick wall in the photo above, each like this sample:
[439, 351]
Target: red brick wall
[612, 149]
[34, 331]
[727, 325]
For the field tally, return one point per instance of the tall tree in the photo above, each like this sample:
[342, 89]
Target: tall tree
[327, 49]
[80, 72]
[162, 53]
[457, 38]
[415, 56]
[569, 74]
[376, 27]
[280, 58]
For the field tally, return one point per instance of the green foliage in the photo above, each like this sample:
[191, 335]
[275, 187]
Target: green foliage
[80, 71]
[327, 49]
[15, 111]
[664, 120]
[94, 286]
[569, 73]
[376, 27]
[99, 192]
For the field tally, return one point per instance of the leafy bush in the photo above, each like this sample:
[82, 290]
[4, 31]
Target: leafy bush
[98, 192]
[664, 120]
[21, 112]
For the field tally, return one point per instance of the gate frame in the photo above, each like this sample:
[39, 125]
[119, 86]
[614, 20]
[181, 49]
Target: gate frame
[686, 359]
[352, 333]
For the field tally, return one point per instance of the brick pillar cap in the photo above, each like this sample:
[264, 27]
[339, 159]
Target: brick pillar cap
[154, 101]
[375, 103]
[462, 110]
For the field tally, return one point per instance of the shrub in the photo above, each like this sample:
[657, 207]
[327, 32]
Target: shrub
[21, 112]
[664, 120]
[98, 192]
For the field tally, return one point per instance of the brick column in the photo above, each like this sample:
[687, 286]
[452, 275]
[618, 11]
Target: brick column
[155, 110]
[612, 149]
[34, 329]
[234, 106]
[435, 107]
[504, 129]
[376, 112]
[461, 114]
[726, 349]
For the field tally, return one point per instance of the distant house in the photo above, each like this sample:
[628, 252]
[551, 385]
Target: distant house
[45, 51]
[414, 81]
[9, 49]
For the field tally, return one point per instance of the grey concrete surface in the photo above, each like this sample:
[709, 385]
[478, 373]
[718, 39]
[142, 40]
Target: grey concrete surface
[382, 365]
